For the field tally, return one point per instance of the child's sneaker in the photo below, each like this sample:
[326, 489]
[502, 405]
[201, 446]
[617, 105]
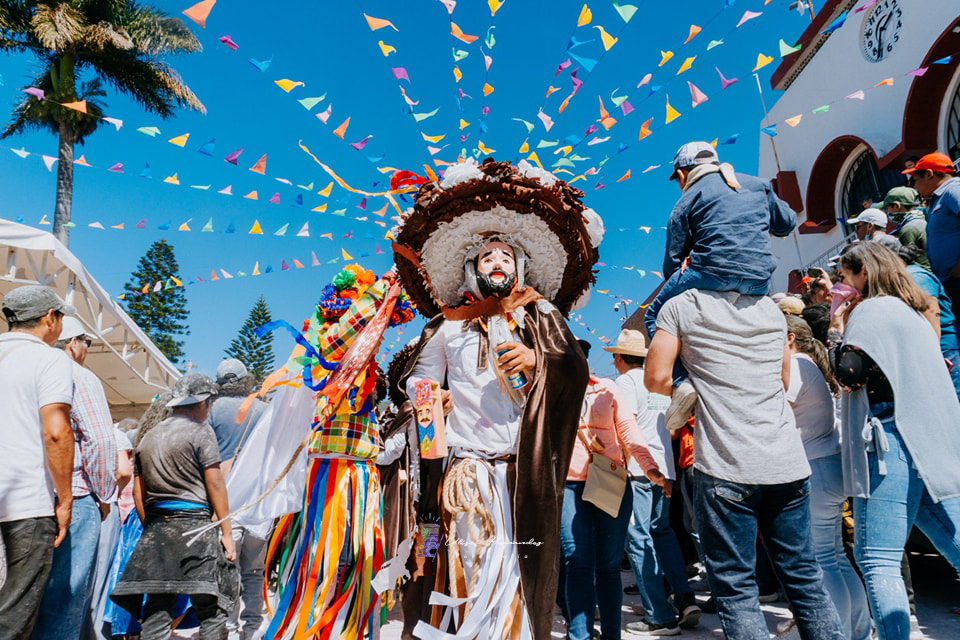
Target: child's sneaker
[681, 406]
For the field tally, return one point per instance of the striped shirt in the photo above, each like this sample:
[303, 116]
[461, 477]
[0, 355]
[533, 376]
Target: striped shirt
[95, 448]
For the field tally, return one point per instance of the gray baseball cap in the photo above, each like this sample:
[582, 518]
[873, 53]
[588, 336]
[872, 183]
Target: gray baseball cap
[231, 369]
[32, 301]
[694, 153]
[192, 389]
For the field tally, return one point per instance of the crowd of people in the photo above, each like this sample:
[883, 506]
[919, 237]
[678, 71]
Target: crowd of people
[489, 477]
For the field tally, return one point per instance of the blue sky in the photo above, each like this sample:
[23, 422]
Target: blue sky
[329, 48]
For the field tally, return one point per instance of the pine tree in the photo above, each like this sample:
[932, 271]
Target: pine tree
[256, 353]
[162, 313]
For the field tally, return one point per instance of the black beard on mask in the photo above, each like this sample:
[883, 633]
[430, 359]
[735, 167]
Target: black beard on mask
[488, 287]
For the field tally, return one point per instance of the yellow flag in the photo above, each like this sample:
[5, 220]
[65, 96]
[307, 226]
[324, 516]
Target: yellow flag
[524, 147]
[762, 61]
[494, 6]
[686, 65]
[385, 49]
[346, 256]
[672, 114]
[172, 179]
[456, 74]
[180, 141]
[287, 85]
[256, 268]
[185, 226]
[795, 120]
[463, 124]
[533, 156]
[326, 190]
[433, 138]
[608, 40]
[321, 208]
[585, 16]
[255, 229]
[483, 149]
[665, 57]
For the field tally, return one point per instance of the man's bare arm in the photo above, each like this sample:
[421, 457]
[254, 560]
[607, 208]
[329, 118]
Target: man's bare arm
[58, 443]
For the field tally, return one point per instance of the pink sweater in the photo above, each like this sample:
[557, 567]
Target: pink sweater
[605, 413]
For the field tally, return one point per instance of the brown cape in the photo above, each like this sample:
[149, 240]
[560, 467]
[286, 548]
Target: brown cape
[398, 515]
[547, 432]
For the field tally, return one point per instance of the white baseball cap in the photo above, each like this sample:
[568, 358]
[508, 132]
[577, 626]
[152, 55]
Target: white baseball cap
[871, 216]
[72, 329]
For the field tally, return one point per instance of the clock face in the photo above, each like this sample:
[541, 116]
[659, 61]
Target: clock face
[881, 30]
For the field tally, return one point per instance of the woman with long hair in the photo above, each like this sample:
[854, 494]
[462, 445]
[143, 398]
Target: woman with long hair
[812, 394]
[900, 442]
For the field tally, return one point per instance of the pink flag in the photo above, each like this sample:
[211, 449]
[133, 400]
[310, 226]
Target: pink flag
[233, 157]
[563, 66]
[228, 41]
[35, 92]
[314, 262]
[400, 74]
[545, 119]
[724, 83]
[275, 198]
[698, 97]
[323, 117]
[856, 95]
[646, 80]
[626, 107]
[117, 168]
[916, 73]
[360, 145]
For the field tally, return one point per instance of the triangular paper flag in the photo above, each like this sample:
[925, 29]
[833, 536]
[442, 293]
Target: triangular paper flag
[199, 12]
[252, 195]
[310, 103]
[180, 141]
[208, 228]
[626, 11]
[694, 30]
[487, 89]
[885, 83]
[256, 268]
[665, 57]
[314, 261]
[762, 61]
[698, 97]
[82, 161]
[282, 231]
[287, 85]
[172, 179]
[114, 121]
[342, 129]
[770, 131]
[624, 177]
[724, 83]
[795, 120]
[275, 198]
[714, 43]
[836, 24]
[117, 168]
[385, 49]
[748, 15]
[585, 16]
[786, 49]
[304, 231]
[645, 129]
[607, 39]
[207, 147]
[686, 65]
[150, 131]
[227, 190]
[856, 95]
[432, 138]
[378, 23]
[48, 162]
[44, 220]
[346, 256]
[672, 114]
[325, 115]
[185, 226]
[255, 229]
[260, 166]
[79, 105]
[458, 33]
[419, 117]
[822, 109]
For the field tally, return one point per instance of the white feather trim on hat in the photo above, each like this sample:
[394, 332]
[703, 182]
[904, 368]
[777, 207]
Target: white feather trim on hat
[582, 301]
[462, 172]
[546, 178]
[445, 252]
[594, 224]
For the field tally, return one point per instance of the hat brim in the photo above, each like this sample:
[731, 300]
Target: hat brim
[188, 400]
[446, 223]
[640, 353]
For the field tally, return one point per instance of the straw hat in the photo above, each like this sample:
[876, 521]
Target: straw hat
[630, 342]
[525, 206]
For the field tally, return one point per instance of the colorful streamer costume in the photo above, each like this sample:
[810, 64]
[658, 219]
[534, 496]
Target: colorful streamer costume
[329, 553]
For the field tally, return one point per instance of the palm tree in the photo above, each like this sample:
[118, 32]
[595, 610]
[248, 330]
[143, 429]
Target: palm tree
[119, 42]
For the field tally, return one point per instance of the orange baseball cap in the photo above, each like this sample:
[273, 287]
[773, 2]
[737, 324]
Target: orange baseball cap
[939, 162]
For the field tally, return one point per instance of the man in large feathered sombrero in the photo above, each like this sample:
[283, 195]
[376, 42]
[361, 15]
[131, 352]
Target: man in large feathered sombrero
[497, 255]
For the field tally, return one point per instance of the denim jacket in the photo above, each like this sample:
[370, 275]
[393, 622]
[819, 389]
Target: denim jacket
[726, 231]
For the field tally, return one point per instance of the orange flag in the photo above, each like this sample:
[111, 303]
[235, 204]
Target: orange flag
[884, 83]
[261, 165]
[605, 118]
[199, 12]
[378, 23]
[80, 105]
[625, 176]
[694, 30]
[342, 129]
[645, 129]
[381, 212]
[458, 33]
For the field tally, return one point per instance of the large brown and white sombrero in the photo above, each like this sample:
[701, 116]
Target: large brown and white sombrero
[523, 205]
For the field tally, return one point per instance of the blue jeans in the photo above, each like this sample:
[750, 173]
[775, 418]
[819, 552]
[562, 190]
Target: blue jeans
[898, 501]
[839, 577]
[64, 605]
[592, 545]
[730, 516]
[685, 279]
[953, 355]
[655, 553]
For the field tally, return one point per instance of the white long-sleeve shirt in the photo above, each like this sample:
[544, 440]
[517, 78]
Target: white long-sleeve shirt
[484, 421]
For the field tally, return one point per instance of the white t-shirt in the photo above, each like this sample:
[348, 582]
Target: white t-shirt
[648, 408]
[732, 345]
[32, 375]
[812, 402]
[485, 422]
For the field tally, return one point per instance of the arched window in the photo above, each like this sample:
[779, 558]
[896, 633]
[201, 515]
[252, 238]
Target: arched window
[864, 184]
[952, 129]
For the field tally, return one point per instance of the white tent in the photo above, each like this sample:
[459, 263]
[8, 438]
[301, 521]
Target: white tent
[127, 362]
